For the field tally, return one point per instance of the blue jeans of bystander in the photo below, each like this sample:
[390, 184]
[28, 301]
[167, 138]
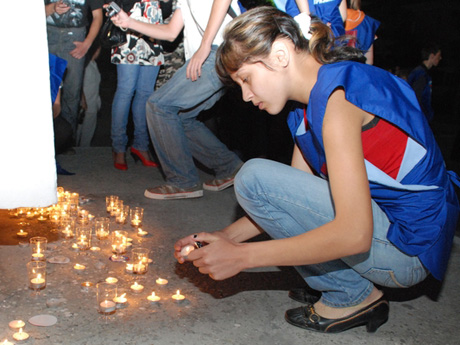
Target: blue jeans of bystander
[178, 136]
[137, 81]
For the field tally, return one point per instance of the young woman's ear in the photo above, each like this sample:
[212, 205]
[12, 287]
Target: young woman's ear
[280, 54]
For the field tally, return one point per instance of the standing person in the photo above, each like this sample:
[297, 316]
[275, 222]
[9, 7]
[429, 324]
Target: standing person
[367, 199]
[172, 110]
[332, 12]
[420, 78]
[68, 38]
[90, 99]
[138, 63]
[362, 28]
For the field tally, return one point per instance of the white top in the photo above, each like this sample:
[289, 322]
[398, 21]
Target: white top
[195, 14]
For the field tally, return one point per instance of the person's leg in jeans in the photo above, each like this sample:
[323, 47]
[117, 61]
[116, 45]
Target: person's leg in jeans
[176, 134]
[287, 202]
[73, 79]
[127, 76]
[147, 77]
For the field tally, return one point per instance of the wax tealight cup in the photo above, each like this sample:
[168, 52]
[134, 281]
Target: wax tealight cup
[6, 342]
[140, 260]
[141, 233]
[161, 281]
[22, 234]
[102, 228]
[121, 300]
[86, 286]
[83, 237]
[153, 298]
[129, 268]
[38, 248]
[20, 336]
[178, 297]
[137, 288]
[111, 280]
[136, 215]
[119, 243]
[15, 325]
[79, 268]
[36, 271]
[105, 294]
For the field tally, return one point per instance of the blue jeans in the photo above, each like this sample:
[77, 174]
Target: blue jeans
[60, 43]
[287, 202]
[178, 136]
[137, 81]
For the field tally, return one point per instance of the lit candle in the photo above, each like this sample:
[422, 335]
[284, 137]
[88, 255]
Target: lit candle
[153, 298]
[161, 281]
[121, 301]
[185, 251]
[111, 280]
[22, 233]
[140, 268]
[20, 336]
[37, 282]
[74, 246]
[129, 268]
[142, 233]
[178, 297]
[16, 324]
[137, 288]
[135, 221]
[85, 286]
[107, 306]
[79, 267]
[102, 234]
[95, 249]
[38, 256]
[6, 342]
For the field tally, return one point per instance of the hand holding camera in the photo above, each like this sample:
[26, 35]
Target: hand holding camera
[117, 15]
[112, 9]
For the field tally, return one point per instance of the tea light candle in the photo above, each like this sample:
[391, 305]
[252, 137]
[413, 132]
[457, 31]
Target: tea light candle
[79, 267]
[37, 256]
[38, 282]
[16, 324]
[185, 251]
[107, 306]
[178, 297]
[20, 336]
[121, 301]
[111, 280]
[153, 298]
[22, 233]
[85, 286]
[6, 342]
[74, 246]
[139, 268]
[135, 222]
[161, 281]
[129, 268]
[142, 233]
[137, 288]
[95, 249]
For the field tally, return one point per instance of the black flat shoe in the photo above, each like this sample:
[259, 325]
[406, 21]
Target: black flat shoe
[305, 295]
[372, 316]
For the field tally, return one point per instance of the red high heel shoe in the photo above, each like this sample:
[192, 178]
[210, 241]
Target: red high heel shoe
[145, 162]
[119, 166]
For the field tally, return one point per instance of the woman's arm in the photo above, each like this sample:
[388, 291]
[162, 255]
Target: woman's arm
[167, 32]
[349, 233]
[343, 10]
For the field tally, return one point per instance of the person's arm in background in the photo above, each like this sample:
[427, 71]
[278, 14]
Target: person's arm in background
[303, 6]
[218, 12]
[81, 48]
[167, 32]
[56, 7]
[343, 10]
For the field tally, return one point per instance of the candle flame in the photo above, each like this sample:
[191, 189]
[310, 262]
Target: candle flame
[178, 293]
[123, 296]
[153, 294]
[39, 276]
[135, 284]
[20, 330]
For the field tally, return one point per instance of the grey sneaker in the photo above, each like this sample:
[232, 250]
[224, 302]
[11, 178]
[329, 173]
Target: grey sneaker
[218, 184]
[171, 192]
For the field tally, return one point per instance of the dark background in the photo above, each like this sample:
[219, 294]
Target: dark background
[405, 27]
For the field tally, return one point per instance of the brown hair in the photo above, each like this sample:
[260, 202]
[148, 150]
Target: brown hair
[249, 38]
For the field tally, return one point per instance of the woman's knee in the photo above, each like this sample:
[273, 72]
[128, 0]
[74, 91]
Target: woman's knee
[252, 175]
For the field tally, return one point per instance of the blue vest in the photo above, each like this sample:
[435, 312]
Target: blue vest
[326, 10]
[420, 203]
[365, 33]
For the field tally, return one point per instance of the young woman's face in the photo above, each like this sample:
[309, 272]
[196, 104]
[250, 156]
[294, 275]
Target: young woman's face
[262, 86]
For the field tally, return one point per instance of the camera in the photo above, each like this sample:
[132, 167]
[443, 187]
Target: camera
[112, 9]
